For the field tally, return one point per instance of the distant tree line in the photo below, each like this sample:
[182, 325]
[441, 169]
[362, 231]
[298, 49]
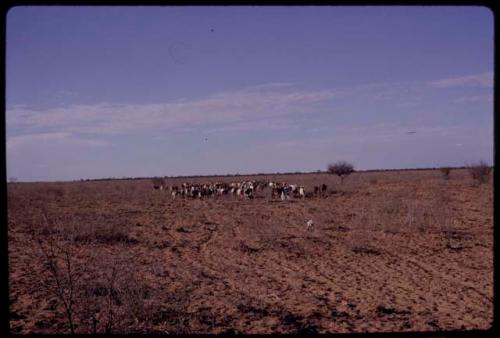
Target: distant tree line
[269, 174]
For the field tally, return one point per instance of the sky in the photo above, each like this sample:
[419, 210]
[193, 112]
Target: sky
[95, 92]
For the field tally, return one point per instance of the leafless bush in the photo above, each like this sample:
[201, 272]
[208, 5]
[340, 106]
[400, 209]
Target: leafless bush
[114, 299]
[158, 182]
[445, 171]
[99, 294]
[341, 169]
[479, 172]
[60, 276]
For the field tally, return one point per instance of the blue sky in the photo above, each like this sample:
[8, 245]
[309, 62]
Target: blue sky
[150, 91]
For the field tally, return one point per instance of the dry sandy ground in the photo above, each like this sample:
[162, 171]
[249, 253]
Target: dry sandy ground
[389, 251]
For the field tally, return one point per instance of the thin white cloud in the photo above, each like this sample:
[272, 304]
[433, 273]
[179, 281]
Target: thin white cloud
[442, 130]
[229, 107]
[252, 126]
[297, 143]
[391, 131]
[230, 110]
[273, 85]
[15, 142]
[474, 99]
[475, 80]
[380, 133]
[386, 126]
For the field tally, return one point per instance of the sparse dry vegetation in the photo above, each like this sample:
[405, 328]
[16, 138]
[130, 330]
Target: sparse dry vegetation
[445, 171]
[58, 277]
[480, 172]
[119, 257]
[98, 295]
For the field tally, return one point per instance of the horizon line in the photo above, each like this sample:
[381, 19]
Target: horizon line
[234, 175]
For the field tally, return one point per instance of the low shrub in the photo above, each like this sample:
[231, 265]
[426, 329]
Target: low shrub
[104, 234]
[445, 171]
[97, 294]
[480, 172]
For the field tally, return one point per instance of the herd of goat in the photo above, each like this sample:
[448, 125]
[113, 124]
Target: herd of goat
[244, 189]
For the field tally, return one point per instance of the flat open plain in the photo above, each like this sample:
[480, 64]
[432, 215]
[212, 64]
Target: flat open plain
[389, 251]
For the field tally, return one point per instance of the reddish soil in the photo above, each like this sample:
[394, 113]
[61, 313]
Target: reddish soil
[389, 251]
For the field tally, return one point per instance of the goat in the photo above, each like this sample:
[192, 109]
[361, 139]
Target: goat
[309, 225]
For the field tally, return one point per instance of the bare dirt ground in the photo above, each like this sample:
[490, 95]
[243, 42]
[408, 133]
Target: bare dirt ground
[389, 251]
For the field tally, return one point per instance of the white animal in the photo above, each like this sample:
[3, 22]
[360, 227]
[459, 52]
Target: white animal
[302, 192]
[309, 225]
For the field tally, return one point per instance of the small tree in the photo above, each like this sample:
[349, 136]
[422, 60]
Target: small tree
[480, 172]
[446, 172]
[341, 169]
[60, 278]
